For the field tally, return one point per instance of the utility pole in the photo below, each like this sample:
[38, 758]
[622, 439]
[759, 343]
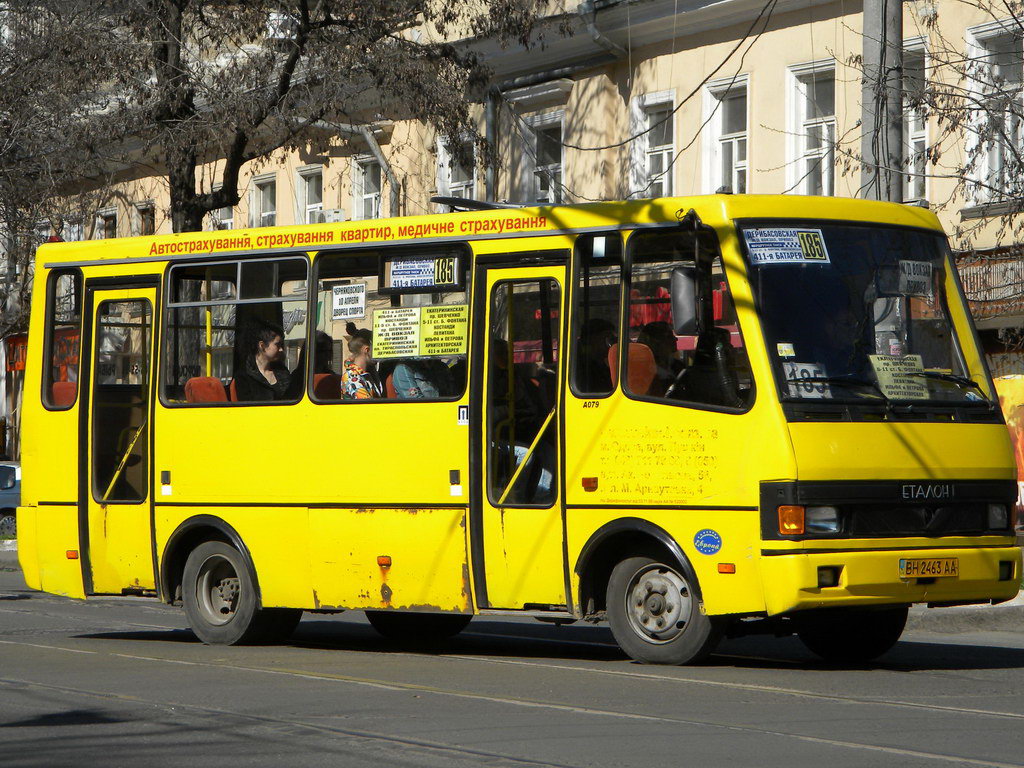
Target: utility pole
[882, 101]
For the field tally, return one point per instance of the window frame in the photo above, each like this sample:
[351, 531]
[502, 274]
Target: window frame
[445, 165]
[100, 220]
[797, 153]
[302, 177]
[575, 303]
[400, 251]
[915, 48]
[258, 194]
[168, 307]
[623, 348]
[48, 335]
[531, 170]
[979, 39]
[360, 164]
[556, 423]
[716, 93]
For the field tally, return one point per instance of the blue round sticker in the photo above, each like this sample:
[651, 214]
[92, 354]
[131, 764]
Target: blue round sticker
[707, 542]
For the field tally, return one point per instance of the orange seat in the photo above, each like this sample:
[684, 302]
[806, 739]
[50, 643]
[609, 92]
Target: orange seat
[233, 392]
[205, 389]
[389, 388]
[327, 386]
[640, 367]
[63, 393]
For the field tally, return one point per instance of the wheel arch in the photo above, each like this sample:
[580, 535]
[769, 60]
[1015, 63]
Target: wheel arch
[613, 542]
[186, 537]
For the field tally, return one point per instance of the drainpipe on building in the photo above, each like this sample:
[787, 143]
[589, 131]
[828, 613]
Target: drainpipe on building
[588, 13]
[367, 133]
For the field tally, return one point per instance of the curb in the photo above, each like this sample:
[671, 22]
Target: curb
[9, 546]
[1004, 617]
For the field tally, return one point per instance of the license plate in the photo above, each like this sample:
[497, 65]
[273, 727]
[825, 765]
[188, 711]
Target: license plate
[930, 568]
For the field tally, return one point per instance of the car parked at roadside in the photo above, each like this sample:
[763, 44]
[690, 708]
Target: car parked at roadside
[10, 498]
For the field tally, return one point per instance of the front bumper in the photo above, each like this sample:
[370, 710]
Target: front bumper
[872, 577]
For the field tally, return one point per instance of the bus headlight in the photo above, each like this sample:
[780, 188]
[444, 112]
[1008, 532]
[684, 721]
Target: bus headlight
[822, 520]
[998, 517]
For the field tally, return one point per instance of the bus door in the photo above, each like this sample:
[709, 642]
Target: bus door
[518, 445]
[115, 494]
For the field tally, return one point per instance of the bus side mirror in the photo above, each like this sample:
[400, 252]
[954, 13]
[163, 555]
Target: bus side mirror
[685, 314]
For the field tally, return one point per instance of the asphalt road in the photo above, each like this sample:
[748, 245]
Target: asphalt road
[122, 682]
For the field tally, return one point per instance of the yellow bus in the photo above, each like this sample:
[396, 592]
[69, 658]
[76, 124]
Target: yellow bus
[688, 417]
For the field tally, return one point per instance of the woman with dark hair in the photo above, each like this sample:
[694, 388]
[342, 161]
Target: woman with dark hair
[263, 376]
[359, 380]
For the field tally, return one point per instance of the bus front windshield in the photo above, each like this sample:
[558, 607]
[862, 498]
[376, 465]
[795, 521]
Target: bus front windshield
[857, 312]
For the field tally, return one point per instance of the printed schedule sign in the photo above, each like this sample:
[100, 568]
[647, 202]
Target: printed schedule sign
[437, 331]
[893, 379]
[777, 245]
[348, 302]
[421, 275]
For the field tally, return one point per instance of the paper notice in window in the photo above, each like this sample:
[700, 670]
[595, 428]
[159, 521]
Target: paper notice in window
[916, 278]
[348, 302]
[444, 329]
[893, 380]
[396, 332]
[777, 245]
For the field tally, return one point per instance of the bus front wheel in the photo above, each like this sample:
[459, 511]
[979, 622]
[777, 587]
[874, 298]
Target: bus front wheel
[854, 635]
[655, 615]
[219, 595]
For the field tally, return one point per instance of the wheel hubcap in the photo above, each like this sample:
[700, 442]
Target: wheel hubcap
[658, 603]
[218, 589]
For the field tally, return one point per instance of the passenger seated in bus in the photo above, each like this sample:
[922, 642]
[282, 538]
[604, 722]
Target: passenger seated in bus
[263, 376]
[422, 379]
[592, 374]
[526, 404]
[359, 379]
[662, 342]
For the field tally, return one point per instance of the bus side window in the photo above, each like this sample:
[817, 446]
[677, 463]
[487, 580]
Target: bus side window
[596, 312]
[709, 368]
[63, 339]
[236, 332]
[391, 325]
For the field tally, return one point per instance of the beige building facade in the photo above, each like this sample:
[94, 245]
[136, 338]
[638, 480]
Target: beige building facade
[657, 98]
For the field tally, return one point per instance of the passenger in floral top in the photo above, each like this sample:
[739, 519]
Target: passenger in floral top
[359, 380]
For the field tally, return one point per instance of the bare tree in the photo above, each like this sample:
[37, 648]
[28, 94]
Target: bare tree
[227, 81]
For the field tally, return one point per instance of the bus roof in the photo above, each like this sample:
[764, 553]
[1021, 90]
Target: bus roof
[535, 221]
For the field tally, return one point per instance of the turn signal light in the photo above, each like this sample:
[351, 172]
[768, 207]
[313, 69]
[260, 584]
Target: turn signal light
[384, 561]
[72, 554]
[791, 519]
[727, 567]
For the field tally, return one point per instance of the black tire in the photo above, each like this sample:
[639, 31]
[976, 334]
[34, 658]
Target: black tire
[851, 634]
[643, 591]
[8, 526]
[219, 594]
[417, 627]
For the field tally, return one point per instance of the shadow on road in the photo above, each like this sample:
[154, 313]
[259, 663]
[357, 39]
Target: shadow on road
[486, 638]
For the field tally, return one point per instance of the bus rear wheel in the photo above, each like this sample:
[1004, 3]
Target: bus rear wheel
[851, 635]
[417, 627]
[219, 595]
[655, 615]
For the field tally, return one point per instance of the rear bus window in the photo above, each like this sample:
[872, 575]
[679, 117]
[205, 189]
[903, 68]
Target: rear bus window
[391, 325]
[63, 339]
[236, 332]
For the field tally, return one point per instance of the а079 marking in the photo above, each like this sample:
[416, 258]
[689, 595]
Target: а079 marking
[591, 403]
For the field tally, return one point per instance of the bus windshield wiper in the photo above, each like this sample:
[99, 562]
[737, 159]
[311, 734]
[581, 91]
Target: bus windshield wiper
[849, 380]
[963, 381]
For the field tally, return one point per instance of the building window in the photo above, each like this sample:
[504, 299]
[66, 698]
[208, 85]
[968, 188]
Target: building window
[915, 126]
[456, 174]
[263, 203]
[660, 149]
[223, 218]
[311, 196]
[72, 230]
[106, 224]
[366, 189]
[547, 169]
[815, 98]
[726, 162]
[999, 79]
[145, 219]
